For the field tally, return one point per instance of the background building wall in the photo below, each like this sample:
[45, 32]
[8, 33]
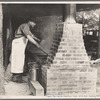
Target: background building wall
[1, 54]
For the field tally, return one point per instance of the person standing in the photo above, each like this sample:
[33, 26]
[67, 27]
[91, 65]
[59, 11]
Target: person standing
[19, 43]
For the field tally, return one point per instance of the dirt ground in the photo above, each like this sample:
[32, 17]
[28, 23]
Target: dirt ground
[13, 88]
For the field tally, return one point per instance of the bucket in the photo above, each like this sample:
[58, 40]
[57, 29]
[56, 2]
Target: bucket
[33, 71]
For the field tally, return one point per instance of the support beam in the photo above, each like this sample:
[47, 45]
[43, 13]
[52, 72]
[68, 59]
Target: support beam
[70, 13]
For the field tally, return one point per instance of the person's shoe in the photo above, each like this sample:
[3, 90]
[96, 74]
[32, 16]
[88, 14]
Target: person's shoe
[14, 78]
[24, 74]
[17, 79]
[20, 80]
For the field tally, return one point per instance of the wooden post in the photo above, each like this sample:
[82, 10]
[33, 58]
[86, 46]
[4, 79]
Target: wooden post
[9, 37]
[70, 13]
[99, 39]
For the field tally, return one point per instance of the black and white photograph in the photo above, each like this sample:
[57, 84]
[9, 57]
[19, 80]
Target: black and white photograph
[50, 50]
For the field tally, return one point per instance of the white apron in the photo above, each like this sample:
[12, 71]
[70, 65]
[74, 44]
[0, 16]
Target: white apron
[18, 54]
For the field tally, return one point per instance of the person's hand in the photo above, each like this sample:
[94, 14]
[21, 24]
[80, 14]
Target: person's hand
[35, 37]
[38, 40]
[38, 46]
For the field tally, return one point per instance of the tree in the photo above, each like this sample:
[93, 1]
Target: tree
[91, 18]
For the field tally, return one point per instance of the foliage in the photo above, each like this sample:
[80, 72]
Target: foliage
[89, 18]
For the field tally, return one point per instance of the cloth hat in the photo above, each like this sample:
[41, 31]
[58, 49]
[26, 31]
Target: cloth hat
[32, 19]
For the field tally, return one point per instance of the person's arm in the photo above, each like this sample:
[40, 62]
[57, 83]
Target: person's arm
[33, 41]
[26, 31]
[34, 36]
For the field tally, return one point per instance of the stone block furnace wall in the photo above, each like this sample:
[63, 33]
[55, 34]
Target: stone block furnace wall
[70, 72]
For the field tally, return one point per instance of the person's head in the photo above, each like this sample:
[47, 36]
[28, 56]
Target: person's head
[32, 22]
